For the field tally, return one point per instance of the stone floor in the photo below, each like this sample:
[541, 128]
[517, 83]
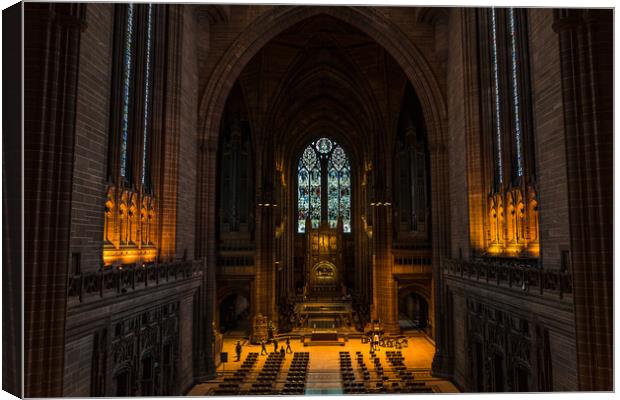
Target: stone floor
[323, 372]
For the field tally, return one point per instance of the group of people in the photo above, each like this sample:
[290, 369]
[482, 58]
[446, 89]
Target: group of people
[376, 340]
[283, 350]
[263, 344]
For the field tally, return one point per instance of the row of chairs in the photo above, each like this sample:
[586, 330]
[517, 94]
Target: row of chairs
[349, 383]
[231, 384]
[296, 379]
[403, 382]
[361, 365]
[268, 374]
[405, 378]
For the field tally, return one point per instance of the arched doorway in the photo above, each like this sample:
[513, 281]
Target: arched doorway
[414, 309]
[234, 315]
[413, 312]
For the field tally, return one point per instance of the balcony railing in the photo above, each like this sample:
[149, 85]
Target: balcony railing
[115, 281]
[512, 274]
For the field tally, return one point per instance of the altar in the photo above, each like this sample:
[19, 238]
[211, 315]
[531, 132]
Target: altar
[316, 316]
[323, 264]
[326, 306]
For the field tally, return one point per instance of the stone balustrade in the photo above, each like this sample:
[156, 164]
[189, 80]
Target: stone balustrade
[516, 274]
[115, 281]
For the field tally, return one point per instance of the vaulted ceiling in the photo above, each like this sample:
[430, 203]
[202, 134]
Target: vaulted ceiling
[322, 77]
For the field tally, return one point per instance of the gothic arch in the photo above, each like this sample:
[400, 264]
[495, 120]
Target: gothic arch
[275, 21]
[417, 288]
[407, 55]
[228, 290]
[366, 19]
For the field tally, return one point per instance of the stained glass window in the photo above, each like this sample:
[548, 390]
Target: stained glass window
[324, 158]
[496, 98]
[147, 93]
[324, 145]
[127, 79]
[508, 76]
[516, 101]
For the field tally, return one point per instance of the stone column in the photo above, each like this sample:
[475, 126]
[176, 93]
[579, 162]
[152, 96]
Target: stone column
[265, 278]
[264, 288]
[442, 362]
[586, 56]
[170, 139]
[384, 285]
[51, 53]
[204, 362]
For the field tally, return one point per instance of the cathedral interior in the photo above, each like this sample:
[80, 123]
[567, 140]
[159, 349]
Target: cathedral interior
[425, 190]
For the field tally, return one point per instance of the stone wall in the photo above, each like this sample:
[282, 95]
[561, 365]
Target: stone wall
[94, 356]
[188, 146]
[547, 312]
[549, 133]
[91, 137]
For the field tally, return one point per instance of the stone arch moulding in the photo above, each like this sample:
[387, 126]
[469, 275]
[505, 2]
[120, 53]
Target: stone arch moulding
[416, 288]
[367, 19]
[262, 30]
[227, 290]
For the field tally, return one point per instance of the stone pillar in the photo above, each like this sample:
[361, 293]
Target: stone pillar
[12, 203]
[171, 136]
[265, 278]
[442, 362]
[51, 53]
[205, 248]
[586, 56]
[384, 285]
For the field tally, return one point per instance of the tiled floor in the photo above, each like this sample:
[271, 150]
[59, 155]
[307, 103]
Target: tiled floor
[324, 373]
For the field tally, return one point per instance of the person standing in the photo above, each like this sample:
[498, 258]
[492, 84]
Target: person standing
[275, 345]
[238, 350]
[288, 345]
[263, 346]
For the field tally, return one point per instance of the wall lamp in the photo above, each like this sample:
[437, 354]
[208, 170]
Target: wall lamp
[380, 204]
[267, 205]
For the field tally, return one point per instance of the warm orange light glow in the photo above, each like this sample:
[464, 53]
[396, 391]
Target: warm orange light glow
[129, 255]
[495, 249]
[534, 249]
[131, 228]
[511, 226]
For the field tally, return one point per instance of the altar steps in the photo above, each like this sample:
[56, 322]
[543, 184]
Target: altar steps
[324, 343]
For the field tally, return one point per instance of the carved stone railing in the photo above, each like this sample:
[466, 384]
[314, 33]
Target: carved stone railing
[514, 274]
[116, 281]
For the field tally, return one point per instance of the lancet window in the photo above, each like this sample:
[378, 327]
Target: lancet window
[512, 218]
[130, 209]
